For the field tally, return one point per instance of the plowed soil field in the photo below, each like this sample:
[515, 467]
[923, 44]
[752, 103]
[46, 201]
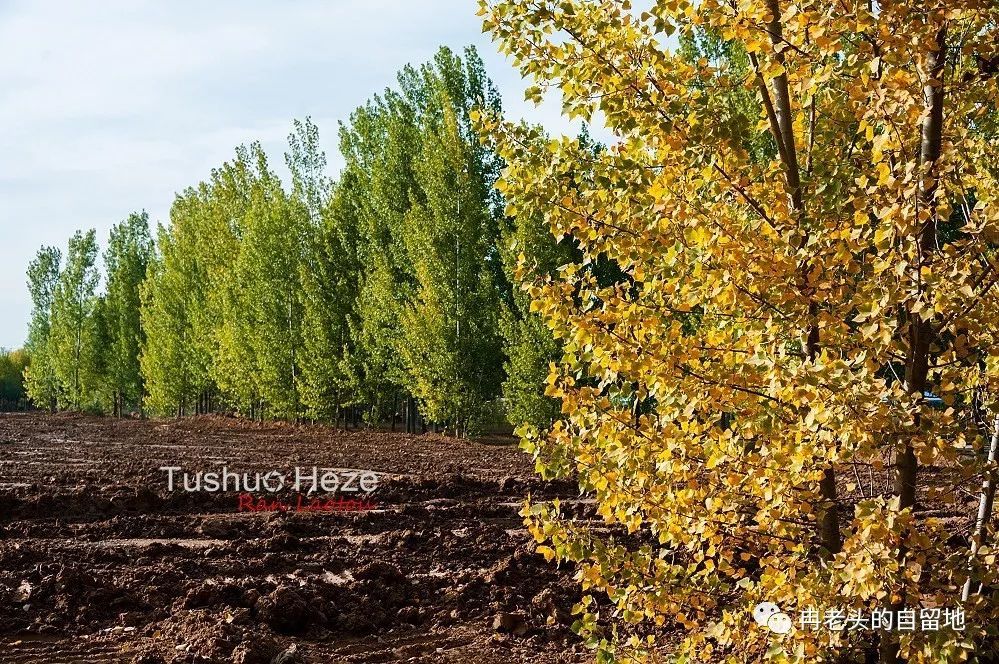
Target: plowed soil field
[101, 562]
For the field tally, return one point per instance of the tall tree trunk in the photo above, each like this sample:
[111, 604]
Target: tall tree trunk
[294, 368]
[920, 332]
[980, 535]
[782, 128]
[395, 407]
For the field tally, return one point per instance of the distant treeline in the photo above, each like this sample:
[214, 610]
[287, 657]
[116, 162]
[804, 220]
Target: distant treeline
[387, 293]
[12, 392]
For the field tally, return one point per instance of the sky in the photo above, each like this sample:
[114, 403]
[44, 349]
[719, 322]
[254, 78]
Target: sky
[114, 106]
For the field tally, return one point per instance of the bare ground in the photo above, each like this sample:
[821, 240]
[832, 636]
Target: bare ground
[100, 563]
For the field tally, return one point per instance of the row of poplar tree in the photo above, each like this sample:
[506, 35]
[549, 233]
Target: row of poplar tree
[388, 292]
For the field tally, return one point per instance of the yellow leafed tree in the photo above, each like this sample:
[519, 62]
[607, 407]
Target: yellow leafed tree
[786, 395]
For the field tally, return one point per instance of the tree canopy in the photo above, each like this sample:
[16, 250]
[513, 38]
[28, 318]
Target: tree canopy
[803, 207]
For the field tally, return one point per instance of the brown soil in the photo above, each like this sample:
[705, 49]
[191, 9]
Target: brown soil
[100, 563]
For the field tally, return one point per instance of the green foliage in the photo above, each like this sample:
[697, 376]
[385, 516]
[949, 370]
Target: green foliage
[739, 106]
[530, 349]
[222, 306]
[13, 395]
[74, 333]
[269, 265]
[39, 378]
[325, 272]
[450, 342]
[330, 285]
[170, 367]
[388, 286]
[530, 251]
[427, 226]
[221, 216]
[378, 186]
[126, 259]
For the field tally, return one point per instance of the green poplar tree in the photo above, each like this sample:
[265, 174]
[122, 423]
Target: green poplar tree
[450, 339]
[73, 329]
[40, 377]
[226, 320]
[125, 260]
[269, 262]
[406, 151]
[173, 359]
[330, 284]
[378, 147]
[529, 345]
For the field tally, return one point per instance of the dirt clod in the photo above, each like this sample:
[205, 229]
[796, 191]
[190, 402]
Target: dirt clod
[289, 655]
[258, 650]
[510, 623]
[284, 610]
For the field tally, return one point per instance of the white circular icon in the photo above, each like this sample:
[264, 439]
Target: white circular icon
[769, 615]
[779, 623]
[763, 612]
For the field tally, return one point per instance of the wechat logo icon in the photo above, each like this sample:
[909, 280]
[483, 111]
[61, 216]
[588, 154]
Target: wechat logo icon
[769, 615]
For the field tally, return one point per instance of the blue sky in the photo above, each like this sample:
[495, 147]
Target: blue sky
[113, 106]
